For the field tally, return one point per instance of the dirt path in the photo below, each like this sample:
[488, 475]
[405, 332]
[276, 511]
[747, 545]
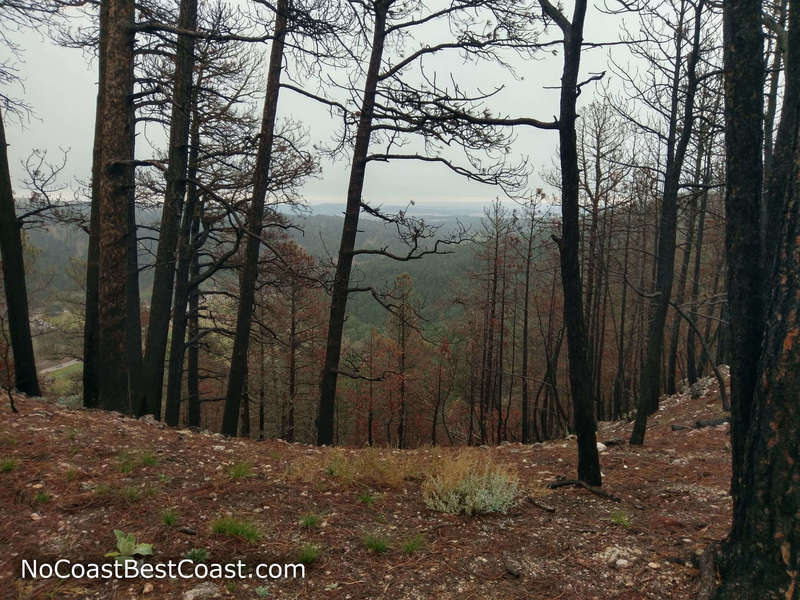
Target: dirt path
[63, 365]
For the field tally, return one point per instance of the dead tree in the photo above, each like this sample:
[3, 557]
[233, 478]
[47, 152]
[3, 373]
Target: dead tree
[391, 110]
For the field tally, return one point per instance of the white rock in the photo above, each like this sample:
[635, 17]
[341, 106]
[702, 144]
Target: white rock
[601, 447]
[622, 563]
[653, 565]
[204, 591]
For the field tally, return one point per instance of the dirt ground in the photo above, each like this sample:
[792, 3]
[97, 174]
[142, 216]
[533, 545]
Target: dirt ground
[69, 477]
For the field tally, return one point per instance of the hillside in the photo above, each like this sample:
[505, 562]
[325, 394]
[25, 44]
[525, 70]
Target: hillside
[70, 477]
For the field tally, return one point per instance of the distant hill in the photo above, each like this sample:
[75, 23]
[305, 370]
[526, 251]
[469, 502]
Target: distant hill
[57, 255]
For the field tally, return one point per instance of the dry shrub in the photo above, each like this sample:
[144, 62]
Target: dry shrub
[390, 469]
[470, 483]
[304, 469]
[374, 467]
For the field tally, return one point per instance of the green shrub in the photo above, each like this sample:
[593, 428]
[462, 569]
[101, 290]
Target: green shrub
[128, 461]
[309, 520]
[619, 517]
[197, 554]
[262, 591]
[413, 544]
[133, 494]
[308, 553]
[7, 465]
[367, 498]
[169, 516]
[41, 497]
[470, 484]
[240, 470]
[376, 543]
[236, 528]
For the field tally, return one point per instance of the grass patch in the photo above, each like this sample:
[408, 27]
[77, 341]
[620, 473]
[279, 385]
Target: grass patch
[470, 484]
[169, 516]
[41, 497]
[128, 461]
[241, 470]
[414, 543]
[376, 543]
[66, 381]
[618, 517]
[236, 528]
[197, 555]
[308, 553]
[8, 464]
[130, 494]
[372, 467]
[262, 591]
[133, 494]
[309, 521]
[340, 466]
[71, 475]
[367, 497]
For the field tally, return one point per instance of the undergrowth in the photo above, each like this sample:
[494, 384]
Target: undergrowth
[470, 484]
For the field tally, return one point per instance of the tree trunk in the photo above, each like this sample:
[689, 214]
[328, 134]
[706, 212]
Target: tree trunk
[193, 360]
[341, 282]
[255, 217]
[91, 320]
[569, 245]
[761, 556]
[681, 293]
[650, 377]
[691, 360]
[116, 184]
[526, 433]
[19, 327]
[178, 157]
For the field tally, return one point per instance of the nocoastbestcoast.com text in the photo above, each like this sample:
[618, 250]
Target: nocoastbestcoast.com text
[172, 569]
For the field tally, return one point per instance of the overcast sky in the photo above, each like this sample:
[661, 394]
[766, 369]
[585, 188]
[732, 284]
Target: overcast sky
[60, 86]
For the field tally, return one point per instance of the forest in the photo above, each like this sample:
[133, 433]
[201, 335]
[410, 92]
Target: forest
[639, 265]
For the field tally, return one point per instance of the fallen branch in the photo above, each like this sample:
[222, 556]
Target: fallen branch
[702, 423]
[592, 488]
[538, 504]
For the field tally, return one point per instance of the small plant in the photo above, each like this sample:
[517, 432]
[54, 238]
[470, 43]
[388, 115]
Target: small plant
[231, 587]
[470, 484]
[262, 591]
[339, 467]
[169, 516]
[164, 478]
[240, 470]
[148, 459]
[41, 497]
[376, 543]
[236, 528]
[367, 498]
[133, 494]
[413, 544]
[129, 461]
[71, 475]
[618, 517]
[309, 521]
[7, 465]
[308, 553]
[197, 555]
[127, 548]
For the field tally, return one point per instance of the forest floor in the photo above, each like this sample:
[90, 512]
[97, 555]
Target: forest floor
[69, 477]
